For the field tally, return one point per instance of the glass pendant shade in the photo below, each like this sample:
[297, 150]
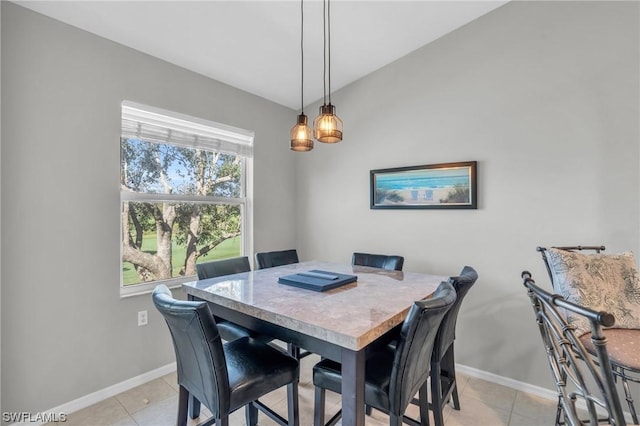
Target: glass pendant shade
[301, 135]
[327, 126]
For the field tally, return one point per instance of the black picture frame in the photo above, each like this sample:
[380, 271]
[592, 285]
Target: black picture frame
[430, 186]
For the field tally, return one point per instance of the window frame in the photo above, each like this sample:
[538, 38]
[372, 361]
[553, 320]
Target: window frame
[226, 139]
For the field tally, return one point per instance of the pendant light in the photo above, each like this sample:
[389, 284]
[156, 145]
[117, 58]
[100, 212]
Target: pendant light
[301, 132]
[327, 126]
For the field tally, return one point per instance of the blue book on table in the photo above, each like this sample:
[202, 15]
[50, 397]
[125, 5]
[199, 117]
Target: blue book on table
[317, 280]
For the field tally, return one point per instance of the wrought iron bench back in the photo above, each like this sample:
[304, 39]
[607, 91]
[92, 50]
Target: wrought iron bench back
[578, 375]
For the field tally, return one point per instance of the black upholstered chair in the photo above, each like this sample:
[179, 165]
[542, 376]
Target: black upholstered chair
[383, 261]
[581, 379]
[223, 377]
[443, 372]
[391, 263]
[393, 375]
[443, 359]
[217, 268]
[272, 259]
[276, 258]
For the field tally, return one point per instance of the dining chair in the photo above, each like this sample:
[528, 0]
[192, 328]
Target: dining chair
[389, 262]
[217, 268]
[582, 379]
[443, 371]
[444, 386]
[223, 376]
[602, 282]
[276, 258]
[272, 259]
[393, 375]
[382, 261]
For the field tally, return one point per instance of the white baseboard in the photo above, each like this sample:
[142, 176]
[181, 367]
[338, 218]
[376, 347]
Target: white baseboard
[510, 383]
[101, 395]
[549, 394]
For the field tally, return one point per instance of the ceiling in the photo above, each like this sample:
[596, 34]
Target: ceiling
[255, 45]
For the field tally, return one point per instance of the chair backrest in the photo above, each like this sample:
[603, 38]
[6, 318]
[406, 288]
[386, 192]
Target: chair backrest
[577, 375]
[276, 258]
[602, 282]
[389, 262]
[543, 253]
[447, 333]
[415, 346]
[218, 268]
[200, 359]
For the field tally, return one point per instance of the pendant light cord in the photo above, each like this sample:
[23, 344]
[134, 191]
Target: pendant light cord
[329, 44]
[324, 52]
[302, 57]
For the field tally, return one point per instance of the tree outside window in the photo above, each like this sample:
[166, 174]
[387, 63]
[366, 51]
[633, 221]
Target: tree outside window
[180, 205]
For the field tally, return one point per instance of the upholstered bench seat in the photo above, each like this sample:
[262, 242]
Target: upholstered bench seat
[623, 345]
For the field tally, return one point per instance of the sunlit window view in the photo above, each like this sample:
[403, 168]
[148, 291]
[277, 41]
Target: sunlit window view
[180, 205]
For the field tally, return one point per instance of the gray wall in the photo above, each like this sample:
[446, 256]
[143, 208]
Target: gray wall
[544, 95]
[65, 330]
[0, 211]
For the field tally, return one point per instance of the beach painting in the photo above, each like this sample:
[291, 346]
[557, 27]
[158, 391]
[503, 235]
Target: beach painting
[433, 186]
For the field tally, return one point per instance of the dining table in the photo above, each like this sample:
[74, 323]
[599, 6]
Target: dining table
[339, 324]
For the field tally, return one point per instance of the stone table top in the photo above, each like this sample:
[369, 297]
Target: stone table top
[351, 316]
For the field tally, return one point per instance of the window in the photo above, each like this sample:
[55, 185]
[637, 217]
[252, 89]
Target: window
[185, 195]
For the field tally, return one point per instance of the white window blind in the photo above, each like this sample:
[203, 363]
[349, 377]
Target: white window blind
[157, 125]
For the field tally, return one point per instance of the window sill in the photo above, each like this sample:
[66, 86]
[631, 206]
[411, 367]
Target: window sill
[147, 288]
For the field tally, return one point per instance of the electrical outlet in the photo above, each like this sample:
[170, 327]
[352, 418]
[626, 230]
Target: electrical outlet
[143, 318]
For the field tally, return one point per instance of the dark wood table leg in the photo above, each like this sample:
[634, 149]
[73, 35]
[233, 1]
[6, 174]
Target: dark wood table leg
[353, 387]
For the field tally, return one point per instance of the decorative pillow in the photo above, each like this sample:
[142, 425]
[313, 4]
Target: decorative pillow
[602, 282]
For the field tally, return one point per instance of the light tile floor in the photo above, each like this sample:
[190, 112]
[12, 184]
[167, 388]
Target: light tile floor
[156, 403]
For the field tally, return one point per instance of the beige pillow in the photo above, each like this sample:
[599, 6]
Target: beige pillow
[603, 282]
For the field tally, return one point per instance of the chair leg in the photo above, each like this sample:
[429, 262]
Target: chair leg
[559, 412]
[293, 350]
[395, 420]
[293, 416]
[318, 407]
[448, 366]
[424, 405]
[436, 393]
[296, 352]
[629, 398]
[194, 407]
[250, 414]
[183, 403]
[454, 395]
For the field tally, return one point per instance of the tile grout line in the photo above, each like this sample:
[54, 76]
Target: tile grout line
[125, 409]
[513, 404]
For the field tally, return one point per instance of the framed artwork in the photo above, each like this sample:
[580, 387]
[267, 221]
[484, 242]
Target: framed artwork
[432, 186]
